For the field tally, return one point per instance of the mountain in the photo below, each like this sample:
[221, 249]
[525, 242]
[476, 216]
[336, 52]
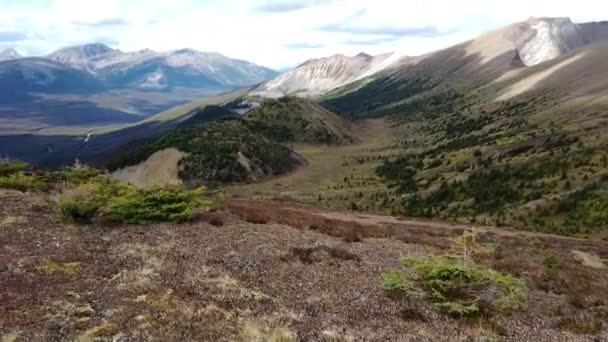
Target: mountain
[147, 69]
[83, 56]
[468, 65]
[318, 76]
[9, 54]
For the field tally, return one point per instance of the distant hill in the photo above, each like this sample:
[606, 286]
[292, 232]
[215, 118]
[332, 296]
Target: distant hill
[223, 151]
[291, 119]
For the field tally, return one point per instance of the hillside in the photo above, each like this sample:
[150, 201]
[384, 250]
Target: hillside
[247, 149]
[525, 147]
[224, 151]
[449, 73]
[259, 272]
[291, 119]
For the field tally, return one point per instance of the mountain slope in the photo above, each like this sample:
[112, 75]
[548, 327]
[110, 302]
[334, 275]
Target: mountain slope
[494, 141]
[317, 76]
[453, 72]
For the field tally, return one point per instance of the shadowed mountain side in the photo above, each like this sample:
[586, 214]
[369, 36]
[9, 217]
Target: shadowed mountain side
[445, 72]
[56, 150]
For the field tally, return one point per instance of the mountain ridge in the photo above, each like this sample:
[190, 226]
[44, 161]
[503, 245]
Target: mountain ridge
[9, 54]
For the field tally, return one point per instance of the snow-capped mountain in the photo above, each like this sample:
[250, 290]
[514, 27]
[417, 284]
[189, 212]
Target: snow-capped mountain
[318, 76]
[9, 54]
[158, 70]
[82, 56]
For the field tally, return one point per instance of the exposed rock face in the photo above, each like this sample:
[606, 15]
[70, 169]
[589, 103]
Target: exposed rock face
[318, 76]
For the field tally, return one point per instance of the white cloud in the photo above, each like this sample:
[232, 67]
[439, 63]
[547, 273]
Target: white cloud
[275, 33]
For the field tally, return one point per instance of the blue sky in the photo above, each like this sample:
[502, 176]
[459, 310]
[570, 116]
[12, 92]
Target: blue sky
[274, 33]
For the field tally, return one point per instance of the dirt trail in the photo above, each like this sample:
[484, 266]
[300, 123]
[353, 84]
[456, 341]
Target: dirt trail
[371, 225]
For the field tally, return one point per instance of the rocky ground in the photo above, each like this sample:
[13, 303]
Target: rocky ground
[236, 276]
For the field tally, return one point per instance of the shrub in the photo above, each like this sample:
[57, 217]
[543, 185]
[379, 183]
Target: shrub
[551, 260]
[8, 167]
[455, 287]
[79, 204]
[21, 181]
[138, 206]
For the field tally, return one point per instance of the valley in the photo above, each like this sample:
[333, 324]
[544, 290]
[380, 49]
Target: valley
[455, 195]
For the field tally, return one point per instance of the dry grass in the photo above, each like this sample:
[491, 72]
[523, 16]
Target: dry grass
[198, 281]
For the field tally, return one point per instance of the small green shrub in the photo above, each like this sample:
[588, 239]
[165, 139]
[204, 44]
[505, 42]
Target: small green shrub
[551, 260]
[458, 288]
[21, 181]
[79, 204]
[138, 206]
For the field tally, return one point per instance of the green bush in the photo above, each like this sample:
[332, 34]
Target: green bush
[551, 260]
[79, 204]
[21, 181]
[138, 206]
[8, 167]
[458, 288]
[122, 202]
[14, 175]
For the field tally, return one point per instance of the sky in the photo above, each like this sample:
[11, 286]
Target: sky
[274, 33]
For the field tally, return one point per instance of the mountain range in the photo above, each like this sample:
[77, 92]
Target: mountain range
[93, 84]
[147, 69]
